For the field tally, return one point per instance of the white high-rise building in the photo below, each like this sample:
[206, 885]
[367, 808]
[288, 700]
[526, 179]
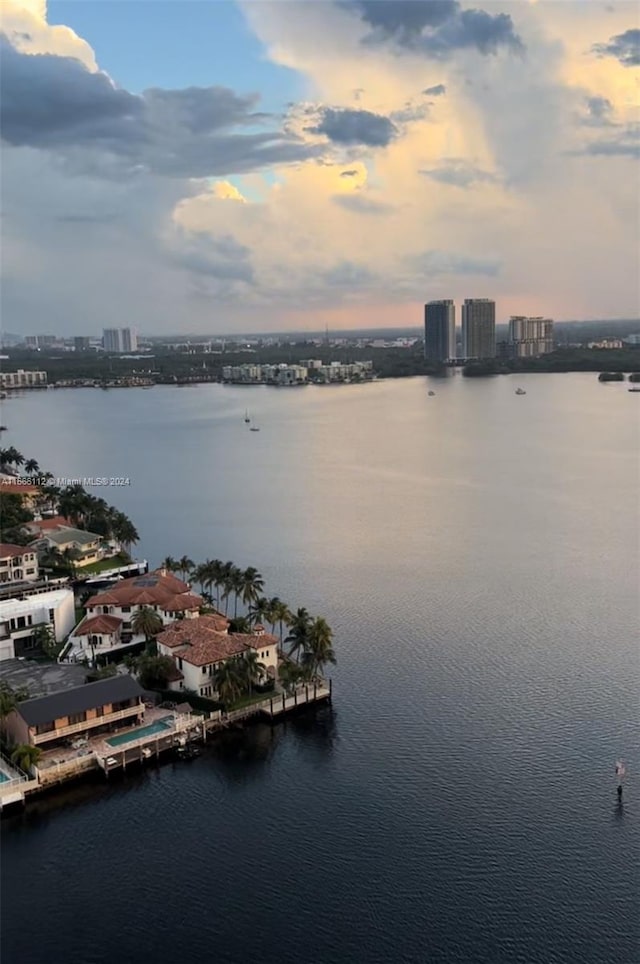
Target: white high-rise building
[119, 340]
[529, 337]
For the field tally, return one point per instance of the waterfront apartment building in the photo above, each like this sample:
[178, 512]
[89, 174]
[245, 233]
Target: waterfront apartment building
[529, 337]
[23, 379]
[20, 617]
[119, 340]
[479, 328]
[439, 331]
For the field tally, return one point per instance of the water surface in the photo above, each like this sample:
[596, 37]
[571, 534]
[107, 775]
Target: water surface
[477, 556]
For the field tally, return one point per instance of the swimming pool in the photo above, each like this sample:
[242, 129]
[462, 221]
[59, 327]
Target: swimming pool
[157, 727]
[3, 777]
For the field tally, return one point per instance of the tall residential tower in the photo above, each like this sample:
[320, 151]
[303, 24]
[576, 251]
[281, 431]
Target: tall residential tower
[439, 331]
[478, 328]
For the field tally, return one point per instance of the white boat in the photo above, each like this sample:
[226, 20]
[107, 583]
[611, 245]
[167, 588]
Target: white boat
[254, 428]
[520, 391]
[432, 393]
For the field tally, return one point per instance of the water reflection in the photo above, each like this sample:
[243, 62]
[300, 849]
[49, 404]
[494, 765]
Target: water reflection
[315, 730]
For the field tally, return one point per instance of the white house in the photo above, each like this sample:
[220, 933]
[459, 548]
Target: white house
[18, 563]
[108, 622]
[19, 617]
[198, 648]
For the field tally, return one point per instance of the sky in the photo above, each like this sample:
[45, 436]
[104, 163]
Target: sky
[251, 166]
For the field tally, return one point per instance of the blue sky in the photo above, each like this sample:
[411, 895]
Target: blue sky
[178, 43]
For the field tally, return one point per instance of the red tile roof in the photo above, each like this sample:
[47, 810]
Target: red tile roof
[179, 603]
[45, 525]
[196, 641]
[10, 551]
[193, 629]
[98, 624]
[154, 589]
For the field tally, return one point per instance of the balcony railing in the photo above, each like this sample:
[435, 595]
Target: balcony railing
[86, 725]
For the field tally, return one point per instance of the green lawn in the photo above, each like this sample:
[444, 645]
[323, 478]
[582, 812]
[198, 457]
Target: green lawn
[103, 565]
[249, 700]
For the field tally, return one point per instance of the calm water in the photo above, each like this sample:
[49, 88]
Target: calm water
[477, 555]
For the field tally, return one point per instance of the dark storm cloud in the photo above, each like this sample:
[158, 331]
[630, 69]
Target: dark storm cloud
[624, 144]
[345, 126]
[435, 28]
[56, 103]
[625, 47]
[458, 173]
[436, 91]
[599, 107]
[220, 259]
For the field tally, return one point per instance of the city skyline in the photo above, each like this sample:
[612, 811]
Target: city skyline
[257, 167]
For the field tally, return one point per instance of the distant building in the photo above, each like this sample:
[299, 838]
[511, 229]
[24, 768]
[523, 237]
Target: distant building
[119, 340]
[23, 379]
[40, 341]
[439, 331]
[530, 337]
[82, 343]
[609, 343]
[478, 328]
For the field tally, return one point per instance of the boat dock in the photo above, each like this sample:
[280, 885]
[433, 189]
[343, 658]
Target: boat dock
[164, 729]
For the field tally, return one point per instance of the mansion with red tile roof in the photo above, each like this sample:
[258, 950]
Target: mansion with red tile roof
[17, 563]
[199, 646]
[107, 624]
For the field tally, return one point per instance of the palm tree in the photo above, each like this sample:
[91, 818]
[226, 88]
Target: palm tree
[228, 681]
[25, 756]
[236, 580]
[252, 585]
[240, 624]
[45, 638]
[282, 614]
[169, 564]
[251, 669]
[123, 529]
[8, 700]
[74, 503]
[31, 467]
[299, 632]
[146, 621]
[259, 610]
[290, 673]
[185, 565]
[226, 582]
[319, 649]
[272, 613]
[10, 456]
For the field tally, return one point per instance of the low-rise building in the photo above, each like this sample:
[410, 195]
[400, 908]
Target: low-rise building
[84, 548]
[18, 563]
[108, 623]
[87, 710]
[23, 379]
[20, 617]
[199, 648]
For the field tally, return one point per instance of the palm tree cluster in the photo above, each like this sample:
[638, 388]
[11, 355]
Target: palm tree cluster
[310, 643]
[95, 515]
[238, 676]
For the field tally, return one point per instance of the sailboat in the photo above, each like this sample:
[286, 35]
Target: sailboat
[254, 428]
[246, 416]
[520, 391]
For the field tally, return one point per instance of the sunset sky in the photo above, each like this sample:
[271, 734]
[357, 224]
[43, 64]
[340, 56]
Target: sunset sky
[256, 166]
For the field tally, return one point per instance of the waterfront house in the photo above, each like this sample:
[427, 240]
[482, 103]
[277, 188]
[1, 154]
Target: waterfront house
[18, 563]
[200, 646]
[50, 721]
[39, 527]
[83, 547]
[159, 591]
[29, 494]
[20, 617]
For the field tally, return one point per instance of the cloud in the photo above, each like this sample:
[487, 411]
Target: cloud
[626, 143]
[599, 108]
[57, 103]
[360, 204]
[345, 126]
[444, 263]
[219, 258]
[435, 28]
[348, 274]
[625, 47]
[459, 173]
[436, 91]
[352, 173]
